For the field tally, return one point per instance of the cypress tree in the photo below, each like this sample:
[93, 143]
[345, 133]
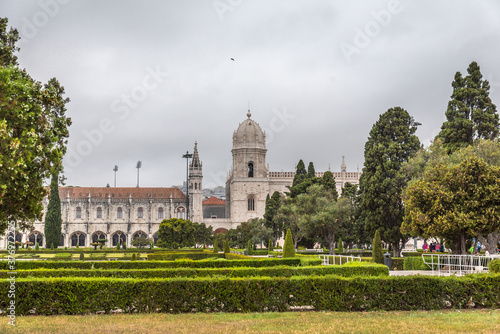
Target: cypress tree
[53, 217]
[270, 246]
[216, 247]
[340, 246]
[249, 247]
[470, 114]
[377, 252]
[328, 182]
[311, 173]
[288, 248]
[300, 173]
[226, 246]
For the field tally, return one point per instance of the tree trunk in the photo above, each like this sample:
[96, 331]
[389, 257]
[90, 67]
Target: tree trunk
[490, 243]
[474, 249]
[462, 243]
[332, 246]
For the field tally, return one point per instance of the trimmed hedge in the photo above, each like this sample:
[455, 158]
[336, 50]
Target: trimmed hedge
[415, 263]
[255, 263]
[181, 255]
[397, 262]
[280, 271]
[494, 266]
[51, 296]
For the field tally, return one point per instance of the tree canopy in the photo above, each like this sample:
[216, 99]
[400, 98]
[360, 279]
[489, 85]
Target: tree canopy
[392, 142]
[470, 114]
[53, 219]
[33, 135]
[176, 233]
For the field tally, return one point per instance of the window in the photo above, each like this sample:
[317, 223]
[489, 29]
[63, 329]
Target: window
[78, 239]
[140, 213]
[139, 234]
[119, 238]
[78, 212]
[119, 213]
[160, 213]
[181, 212]
[251, 204]
[99, 212]
[98, 236]
[36, 237]
[250, 169]
[214, 216]
[61, 243]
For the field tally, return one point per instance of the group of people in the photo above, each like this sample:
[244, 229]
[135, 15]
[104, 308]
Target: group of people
[433, 247]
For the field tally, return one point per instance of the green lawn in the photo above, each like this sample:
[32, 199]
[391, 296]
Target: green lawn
[477, 321]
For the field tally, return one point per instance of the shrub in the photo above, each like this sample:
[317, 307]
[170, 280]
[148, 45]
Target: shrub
[414, 263]
[494, 266]
[141, 242]
[340, 246]
[226, 247]
[270, 246]
[377, 252]
[288, 248]
[37, 247]
[216, 247]
[249, 247]
[82, 257]
[134, 257]
[52, 296]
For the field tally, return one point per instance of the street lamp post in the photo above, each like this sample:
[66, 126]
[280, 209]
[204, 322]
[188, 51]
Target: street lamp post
[115, 170]
[139, 165]
[187, 156]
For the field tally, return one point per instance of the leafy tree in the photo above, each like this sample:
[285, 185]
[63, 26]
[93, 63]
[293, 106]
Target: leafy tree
[352, 229]
[300, 173]
[377, 251]
[259, 232]
[392, 141]
[328, 182]
[301, 180]
[33, 132]
[53, 217]
[175, 233]
[288, 248]
[239, 236]
[203, 234]
[311, 172]
[273, 203]
[288, 216]
[141, 242]
[454, 201]
[470, 114]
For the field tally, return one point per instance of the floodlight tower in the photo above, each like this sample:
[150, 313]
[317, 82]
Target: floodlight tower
[139, 165]
[115, 170]
[187, 156]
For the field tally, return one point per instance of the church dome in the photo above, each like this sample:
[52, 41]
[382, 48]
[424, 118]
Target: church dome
[249, 134]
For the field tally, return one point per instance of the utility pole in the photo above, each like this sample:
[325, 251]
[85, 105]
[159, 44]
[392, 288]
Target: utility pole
[115, 170]
[139, 165]
[187, 156]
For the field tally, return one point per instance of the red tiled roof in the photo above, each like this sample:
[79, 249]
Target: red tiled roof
[213, 201]
[103, 192]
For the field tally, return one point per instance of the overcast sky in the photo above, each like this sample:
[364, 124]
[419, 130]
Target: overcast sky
[147, 79]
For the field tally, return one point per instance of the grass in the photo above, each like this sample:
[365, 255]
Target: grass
[475, 321]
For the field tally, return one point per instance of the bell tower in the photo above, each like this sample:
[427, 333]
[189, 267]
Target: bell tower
[195, 187]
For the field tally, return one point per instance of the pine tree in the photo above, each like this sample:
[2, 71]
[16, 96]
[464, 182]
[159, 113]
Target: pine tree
[392, 142]
[216, 247]
[310, 171]
[288, 248]
[300, 173]
[328, 182]
[377, 252]
[226, 246]
[53, 217]
[470, 114]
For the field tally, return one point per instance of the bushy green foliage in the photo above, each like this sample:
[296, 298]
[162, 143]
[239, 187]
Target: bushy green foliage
[249, 247]
[341, 246]
[51, 296]
[82, 256]
[216, 247]
[175, 233]
[414, 263]
[377, 250]
[134, 257]
[183, 255]
[37, 247]
[288, 248]
[226, 247]
[141, 242]
[494, 266]
[270, 246]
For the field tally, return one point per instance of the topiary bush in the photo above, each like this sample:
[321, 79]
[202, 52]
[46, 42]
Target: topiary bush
[288, 248]
[82, 256]
[340, 246]
[377, 252]
[134, 257]
[494, 266]
[270, 246]
[37, 247]
[249, 247]
[226, 247]
[216, 247]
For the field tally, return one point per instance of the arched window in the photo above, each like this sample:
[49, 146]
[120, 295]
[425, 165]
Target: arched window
[36, 237]
[98, 235]
[181, 212]
[139, 234]
[61, 243]
[250, 169]
[99, 212]
[119, 213]
[119, 238]
[140, 213]
[78, 238]
[251, 204]
[155, 238]
[160, 213]
[78, 212]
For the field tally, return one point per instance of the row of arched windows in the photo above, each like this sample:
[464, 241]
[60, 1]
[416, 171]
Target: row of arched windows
[78, 238]
[140, 213]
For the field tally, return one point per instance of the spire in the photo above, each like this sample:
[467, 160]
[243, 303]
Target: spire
[195, 162]
[249, 114]
[343, 167]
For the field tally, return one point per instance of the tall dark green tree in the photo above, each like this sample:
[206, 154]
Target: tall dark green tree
[392, 141]
[470, 114]
[328, 182]
[300, 173]
[302, 180]
[53, 216]
[311, 172]
[273, 203]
